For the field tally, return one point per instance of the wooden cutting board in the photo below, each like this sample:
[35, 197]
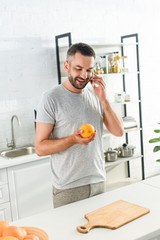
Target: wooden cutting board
[113, 215]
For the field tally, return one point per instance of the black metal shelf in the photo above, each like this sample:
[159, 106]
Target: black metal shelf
[57, 38]
[135, 36]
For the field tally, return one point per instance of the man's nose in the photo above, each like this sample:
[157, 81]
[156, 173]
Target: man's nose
[84, 74]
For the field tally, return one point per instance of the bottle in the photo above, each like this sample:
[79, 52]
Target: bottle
[117, 67]
[103, 63]
[96, 68]
[111, 63]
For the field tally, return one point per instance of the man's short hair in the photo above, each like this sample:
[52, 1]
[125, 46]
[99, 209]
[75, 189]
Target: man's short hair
[82, 48]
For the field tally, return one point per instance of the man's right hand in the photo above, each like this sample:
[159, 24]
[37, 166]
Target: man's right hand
[82, 140]
[46, 146]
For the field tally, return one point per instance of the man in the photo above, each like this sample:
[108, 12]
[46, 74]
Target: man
[78, 166]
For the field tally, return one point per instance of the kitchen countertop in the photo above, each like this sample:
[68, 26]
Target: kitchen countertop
[61, 223]
[4, 162]
[153, 181]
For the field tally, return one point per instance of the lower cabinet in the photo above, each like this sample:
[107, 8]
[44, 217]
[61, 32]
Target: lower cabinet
[30, 188]
[5, 212]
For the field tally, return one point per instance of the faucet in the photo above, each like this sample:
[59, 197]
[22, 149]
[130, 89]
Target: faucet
[12, 144]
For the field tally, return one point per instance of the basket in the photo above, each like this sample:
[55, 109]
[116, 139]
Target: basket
[38, 232]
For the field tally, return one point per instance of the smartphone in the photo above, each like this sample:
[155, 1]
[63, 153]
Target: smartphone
[91, 80]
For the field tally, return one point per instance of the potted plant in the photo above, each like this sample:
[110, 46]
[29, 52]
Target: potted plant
[155, 140]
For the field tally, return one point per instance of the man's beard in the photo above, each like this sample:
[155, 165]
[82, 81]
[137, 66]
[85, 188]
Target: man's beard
[75, 85]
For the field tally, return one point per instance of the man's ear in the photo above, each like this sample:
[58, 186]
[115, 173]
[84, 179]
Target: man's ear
[66, 66]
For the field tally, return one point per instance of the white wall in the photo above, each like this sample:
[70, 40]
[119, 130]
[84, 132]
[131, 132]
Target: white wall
[28, 62]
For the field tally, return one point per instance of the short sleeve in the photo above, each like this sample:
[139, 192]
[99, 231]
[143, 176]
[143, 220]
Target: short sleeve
[46, 110]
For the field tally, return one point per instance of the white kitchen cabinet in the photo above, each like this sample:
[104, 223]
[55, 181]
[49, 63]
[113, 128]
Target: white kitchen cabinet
[30, 188]
[4, 195]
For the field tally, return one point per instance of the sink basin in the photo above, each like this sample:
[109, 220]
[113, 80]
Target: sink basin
[18, 152]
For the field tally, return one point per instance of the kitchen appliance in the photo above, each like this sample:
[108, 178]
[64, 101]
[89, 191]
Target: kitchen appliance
[113, 216]
[126, 150]
[111, 155]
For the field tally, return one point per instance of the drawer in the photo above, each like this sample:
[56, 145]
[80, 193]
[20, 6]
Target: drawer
[3, 176]
[5, 212]
[4, 194]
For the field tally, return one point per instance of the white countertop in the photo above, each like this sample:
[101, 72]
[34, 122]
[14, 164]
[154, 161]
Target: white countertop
[153, 181]
[9, 162]
[61, 223]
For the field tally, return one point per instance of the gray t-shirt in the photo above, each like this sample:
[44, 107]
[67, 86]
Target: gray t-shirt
[79, 164]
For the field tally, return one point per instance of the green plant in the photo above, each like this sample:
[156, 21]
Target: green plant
[155, 140]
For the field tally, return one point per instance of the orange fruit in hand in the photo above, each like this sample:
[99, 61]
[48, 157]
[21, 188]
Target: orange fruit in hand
[3, 225]
[88, 130]
[14, 231]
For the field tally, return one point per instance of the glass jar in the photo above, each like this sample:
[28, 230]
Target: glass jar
[103, 63]
[111, 63]
[119, 97]
[96, 68]
[117, 64]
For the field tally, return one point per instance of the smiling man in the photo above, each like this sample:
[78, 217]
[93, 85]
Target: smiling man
[77, 163]
[80, 69]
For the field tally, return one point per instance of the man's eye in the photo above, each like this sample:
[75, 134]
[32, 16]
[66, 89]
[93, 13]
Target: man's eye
[79, 69]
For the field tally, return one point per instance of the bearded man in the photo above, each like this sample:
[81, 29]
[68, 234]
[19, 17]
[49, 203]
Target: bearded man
[77, 163]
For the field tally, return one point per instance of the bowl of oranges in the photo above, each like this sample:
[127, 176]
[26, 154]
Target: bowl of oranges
[9, 232]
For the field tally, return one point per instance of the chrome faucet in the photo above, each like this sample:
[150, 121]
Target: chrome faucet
[12, 144]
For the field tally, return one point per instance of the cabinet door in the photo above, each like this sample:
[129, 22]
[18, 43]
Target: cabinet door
[4, 196]
[3, 176]
[30, 188]
[5, 212]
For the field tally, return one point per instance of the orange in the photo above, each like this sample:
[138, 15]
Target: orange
[10, 238]
[14, 231]
[31, 237]
[3, 225]
[88, 130]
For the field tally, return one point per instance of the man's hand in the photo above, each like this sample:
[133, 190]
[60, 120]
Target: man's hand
[81, 140]
[99, 87]
[111, 120]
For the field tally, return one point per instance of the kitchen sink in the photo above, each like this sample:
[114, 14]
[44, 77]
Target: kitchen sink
[18, 152]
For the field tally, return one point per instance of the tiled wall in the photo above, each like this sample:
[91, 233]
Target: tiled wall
[28, 62]
[27, 70]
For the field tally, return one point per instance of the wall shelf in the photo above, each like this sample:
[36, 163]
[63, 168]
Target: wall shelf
[116, 74]
[122, 160]
[126, 102]
[107, 134]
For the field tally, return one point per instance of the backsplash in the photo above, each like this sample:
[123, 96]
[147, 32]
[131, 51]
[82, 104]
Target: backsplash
[26, 73]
